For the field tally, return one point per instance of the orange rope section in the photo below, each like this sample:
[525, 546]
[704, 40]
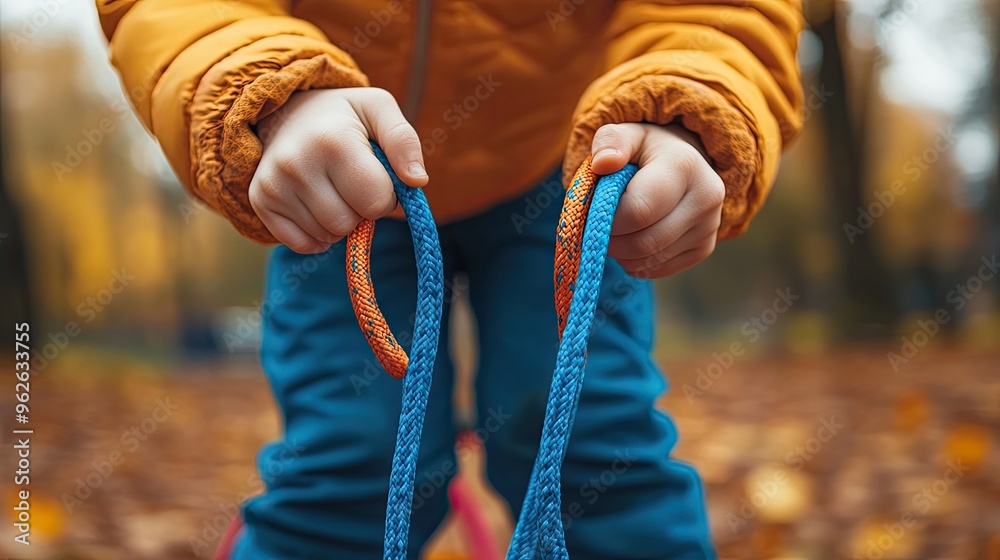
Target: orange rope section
[569, 237]
[359, 281]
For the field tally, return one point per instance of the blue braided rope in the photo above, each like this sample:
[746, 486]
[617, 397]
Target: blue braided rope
[539, 527]
[423, 351]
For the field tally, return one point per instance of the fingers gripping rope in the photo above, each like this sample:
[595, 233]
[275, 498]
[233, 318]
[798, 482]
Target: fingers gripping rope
[581, 248]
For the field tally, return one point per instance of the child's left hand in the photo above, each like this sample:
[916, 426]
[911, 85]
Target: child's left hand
[669, 215]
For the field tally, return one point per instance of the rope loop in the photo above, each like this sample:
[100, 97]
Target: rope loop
[582, 237]
[416, 370]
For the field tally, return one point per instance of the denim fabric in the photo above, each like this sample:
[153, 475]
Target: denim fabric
[623, 496]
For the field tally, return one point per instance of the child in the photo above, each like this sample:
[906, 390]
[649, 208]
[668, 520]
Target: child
[265, 109]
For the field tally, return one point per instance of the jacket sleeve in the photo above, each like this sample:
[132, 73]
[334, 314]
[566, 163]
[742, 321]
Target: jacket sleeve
[201, 74]
[723, 69]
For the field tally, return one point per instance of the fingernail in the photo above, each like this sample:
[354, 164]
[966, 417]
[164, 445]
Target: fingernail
[606, 152]
[417, 170]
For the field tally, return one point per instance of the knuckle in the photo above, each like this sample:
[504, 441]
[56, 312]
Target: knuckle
[401, 135]
[655, 260]
[380, 104]
[387, 201]
[332, 140]
[302, 245]
[716, 189]
[609, 134]
[382, 95]
[340, 230]
[688, 160]
[379, 200]
[268, 189]
[256, 197]
[373, 208]
[712, 224]
[709, 193]
[706, 249]
[320, 247]
[636, 271]
[289, 164]
[341, 227]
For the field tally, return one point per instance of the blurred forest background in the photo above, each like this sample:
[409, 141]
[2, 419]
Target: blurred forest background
[869, 391]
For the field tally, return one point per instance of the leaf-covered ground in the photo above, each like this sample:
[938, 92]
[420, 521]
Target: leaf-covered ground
[813, 458]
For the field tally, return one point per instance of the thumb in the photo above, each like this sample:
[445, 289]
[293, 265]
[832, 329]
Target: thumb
[399, 142]
[615, 145]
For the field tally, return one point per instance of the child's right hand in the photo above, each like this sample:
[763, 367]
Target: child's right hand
[318, 178]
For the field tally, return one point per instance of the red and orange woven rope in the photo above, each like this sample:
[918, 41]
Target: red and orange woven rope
[569, 237]
[359, 281]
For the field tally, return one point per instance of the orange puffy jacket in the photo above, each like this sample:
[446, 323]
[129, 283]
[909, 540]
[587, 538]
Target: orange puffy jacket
[499, 91]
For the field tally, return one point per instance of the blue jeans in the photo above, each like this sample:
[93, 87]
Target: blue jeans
[327, 478]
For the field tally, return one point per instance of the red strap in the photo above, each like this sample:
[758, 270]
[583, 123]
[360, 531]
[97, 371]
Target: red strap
[228, 541]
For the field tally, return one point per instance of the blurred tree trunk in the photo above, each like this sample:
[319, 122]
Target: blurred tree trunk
[867, 305]
[14, 285]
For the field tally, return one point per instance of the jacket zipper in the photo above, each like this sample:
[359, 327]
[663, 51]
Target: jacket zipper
[418, 62]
